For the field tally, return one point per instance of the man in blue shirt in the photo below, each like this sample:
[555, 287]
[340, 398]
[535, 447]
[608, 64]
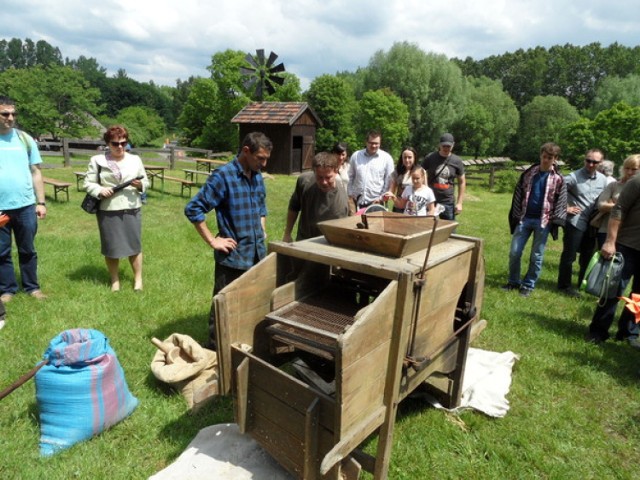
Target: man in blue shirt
[22, 199]
[538, 207]
[236, 191]
[583, 188]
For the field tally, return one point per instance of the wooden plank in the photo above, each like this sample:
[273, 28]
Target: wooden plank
[242, 397]
[239, 307]
[311, 441]
[283, 295]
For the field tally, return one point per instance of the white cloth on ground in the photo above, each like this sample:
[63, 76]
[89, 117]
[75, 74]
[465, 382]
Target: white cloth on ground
[486, 383]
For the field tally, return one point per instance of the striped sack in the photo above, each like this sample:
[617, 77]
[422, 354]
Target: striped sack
[81, 391]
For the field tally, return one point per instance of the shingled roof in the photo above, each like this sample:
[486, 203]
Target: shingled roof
[277, 113]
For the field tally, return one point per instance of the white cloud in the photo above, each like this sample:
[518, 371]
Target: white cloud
[163, 40]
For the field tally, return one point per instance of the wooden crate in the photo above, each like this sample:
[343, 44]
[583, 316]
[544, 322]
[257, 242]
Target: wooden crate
[386, 233]
[410, 329]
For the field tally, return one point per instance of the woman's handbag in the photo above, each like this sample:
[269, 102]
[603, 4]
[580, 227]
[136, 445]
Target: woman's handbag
[602, 277]
[90, 203]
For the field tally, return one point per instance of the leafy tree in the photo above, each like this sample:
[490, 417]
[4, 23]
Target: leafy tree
[18, 54]
[333, 100]
[198, 120]
[489, 119]
[289, 91]
[429, 84]
[615, 89]
[55, 100]
[143, 123]
[232, 96]
[383, 110]
[616, 131]
[542, 120]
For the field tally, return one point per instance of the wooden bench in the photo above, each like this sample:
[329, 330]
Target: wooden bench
[79, 178]
[58, 186]
[184, 184]
[192, 175]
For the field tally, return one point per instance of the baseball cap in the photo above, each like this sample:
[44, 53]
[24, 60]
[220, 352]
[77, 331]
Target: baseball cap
[447, 139]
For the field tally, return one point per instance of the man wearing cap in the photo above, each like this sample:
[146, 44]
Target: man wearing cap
[583, 188]
[443, 167]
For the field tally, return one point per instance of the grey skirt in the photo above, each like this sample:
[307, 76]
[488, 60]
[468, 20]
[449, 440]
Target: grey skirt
[120, 232]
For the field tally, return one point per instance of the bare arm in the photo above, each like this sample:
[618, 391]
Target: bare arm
[38, 187]
[223, 244]
[292, 216]
[462, 188]
[609, 245]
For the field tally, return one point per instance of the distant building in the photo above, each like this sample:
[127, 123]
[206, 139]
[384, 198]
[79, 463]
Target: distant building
[291, 126]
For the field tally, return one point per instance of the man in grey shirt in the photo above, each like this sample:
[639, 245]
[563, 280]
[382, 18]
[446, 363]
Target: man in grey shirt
[583, 188]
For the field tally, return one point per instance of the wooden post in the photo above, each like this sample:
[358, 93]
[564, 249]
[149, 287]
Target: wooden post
[172, 158]
[65, 152]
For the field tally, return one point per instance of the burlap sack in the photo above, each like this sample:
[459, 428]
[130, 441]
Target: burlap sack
[188, 367]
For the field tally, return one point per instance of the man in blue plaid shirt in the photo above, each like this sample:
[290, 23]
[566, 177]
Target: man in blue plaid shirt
[236, 192]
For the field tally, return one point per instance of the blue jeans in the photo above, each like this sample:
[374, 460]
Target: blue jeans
[24, 225]
[449, 212]
[603, 316]
[574, 242]
[520, 238]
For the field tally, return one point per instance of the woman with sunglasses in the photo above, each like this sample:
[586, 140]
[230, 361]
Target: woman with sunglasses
[119, 216]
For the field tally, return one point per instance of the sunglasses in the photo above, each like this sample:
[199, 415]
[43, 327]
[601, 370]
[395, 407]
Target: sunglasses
[119, 144]
[7, 114]
[591, 162]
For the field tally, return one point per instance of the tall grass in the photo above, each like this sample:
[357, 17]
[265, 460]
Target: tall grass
[574, 406]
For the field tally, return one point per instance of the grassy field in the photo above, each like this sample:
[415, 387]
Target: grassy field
[574, 406]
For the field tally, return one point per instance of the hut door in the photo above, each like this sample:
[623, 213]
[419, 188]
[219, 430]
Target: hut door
[296, 155]
[308, 151]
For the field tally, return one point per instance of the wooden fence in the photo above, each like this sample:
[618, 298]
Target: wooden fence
[69, 146]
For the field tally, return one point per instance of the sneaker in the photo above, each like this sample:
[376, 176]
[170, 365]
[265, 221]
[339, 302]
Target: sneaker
[2, 322]
[634, 342]
[509, 286]
[37, 294]
[525, 292]
[569, 292]
[6, 297]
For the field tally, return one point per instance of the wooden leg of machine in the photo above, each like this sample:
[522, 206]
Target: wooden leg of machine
[311, 440]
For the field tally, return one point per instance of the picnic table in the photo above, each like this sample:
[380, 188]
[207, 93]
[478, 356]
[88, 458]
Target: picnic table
[154, 171]
[208, 164]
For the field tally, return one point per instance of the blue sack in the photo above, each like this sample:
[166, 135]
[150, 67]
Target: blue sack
[81, 391]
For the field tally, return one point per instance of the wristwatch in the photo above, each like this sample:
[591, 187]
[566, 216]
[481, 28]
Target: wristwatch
[42, 203]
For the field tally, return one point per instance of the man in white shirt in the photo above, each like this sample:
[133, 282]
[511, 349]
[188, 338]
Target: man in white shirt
[369, 173]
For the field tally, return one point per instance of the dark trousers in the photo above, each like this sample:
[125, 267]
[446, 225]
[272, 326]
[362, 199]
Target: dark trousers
[603, 316]
[574, 242]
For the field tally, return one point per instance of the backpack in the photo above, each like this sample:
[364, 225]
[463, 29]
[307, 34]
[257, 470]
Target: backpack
[24, 138]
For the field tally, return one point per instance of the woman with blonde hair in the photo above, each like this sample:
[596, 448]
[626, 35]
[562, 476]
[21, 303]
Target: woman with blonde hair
[609, 195]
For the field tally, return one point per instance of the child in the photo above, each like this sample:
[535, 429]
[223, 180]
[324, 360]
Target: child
[417, 198]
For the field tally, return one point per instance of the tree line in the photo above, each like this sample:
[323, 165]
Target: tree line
[579, 97]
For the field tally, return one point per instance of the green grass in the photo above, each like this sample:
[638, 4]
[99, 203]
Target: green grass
[574, 406]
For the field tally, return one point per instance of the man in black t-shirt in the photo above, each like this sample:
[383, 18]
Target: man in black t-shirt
[443, 167]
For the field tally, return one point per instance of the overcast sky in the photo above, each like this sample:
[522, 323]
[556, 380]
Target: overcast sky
[166, 40]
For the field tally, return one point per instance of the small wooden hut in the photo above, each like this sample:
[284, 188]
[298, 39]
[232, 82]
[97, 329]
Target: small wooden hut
[291, 126]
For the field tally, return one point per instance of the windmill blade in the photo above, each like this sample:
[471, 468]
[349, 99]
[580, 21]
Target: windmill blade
[249, 83]
[259, 91]
[278, 68]
[260, 56]
[250, 60]
[278, 80]
[247, 71]
[272, 58]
